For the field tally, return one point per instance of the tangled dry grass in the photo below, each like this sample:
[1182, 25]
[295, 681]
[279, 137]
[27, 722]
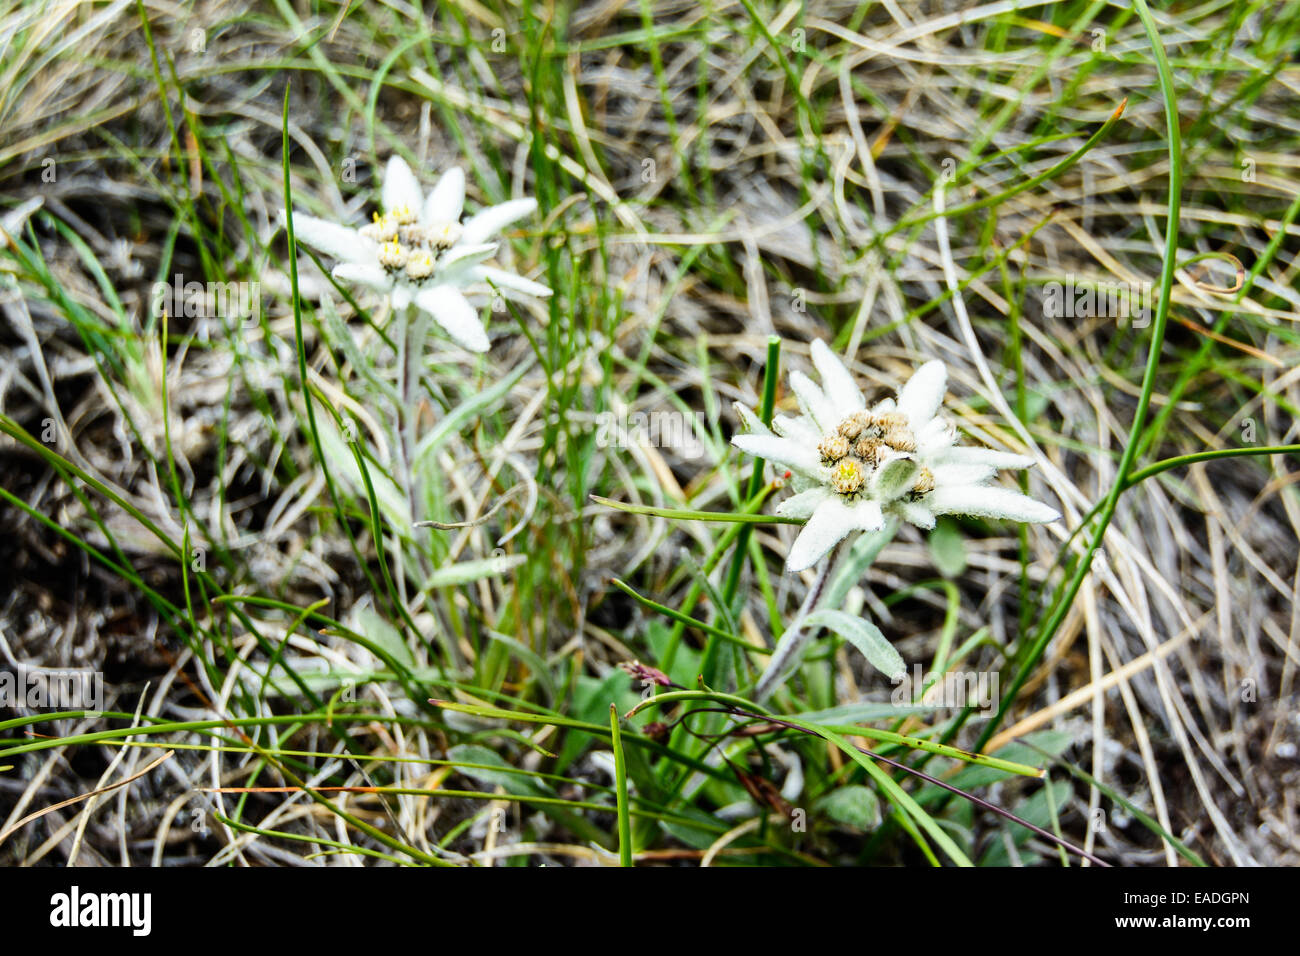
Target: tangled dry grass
[713, 195]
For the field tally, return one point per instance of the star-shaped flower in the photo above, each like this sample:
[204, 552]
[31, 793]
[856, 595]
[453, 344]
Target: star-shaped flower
[418, 250]
[854, 466]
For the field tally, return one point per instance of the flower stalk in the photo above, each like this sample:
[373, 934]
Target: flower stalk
[796, 636]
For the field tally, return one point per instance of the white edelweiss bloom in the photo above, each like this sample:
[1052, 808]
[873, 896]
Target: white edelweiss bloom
[853, 467]
[419, 251]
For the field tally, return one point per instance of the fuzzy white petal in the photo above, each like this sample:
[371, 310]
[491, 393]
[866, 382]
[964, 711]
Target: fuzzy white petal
[803, 504]
[800, 429]
[781, 451]
[446, 200]
[830, 524]
[866, 515]
[401, 188]
[950, 474]
[451, 310]
[749, 420]
[493, 219]
[402, 295]
[464, 254]
[972, 455]
[509, 280]
[837, 383]
[914, 512]
[988, 501]
[935, 437]
[363, 273]
[923, 393]
[814, 402]
[330, 238]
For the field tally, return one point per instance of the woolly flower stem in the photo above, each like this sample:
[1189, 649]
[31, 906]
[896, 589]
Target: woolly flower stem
[796, 638]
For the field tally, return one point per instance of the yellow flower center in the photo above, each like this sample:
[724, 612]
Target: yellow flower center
[847, 477]
[833, 448]
[861, 443]
[406, 244]
[402, 215]
[382, 229]
[443, 235]
[392, 255]
[419, 266]
[923, 485]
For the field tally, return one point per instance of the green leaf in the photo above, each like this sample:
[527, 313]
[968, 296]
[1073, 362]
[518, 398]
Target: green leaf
[863, 712]
[862, 554]
[686, 665]
[454, 420]
[464, 572]
[863, 635]
[948, 548]
[591, 699]
[1036, 809]
[702, 838]
[531, 659]
[903, 802]
[508, 777]
[342, 462]
[372, 626]
[853, 805]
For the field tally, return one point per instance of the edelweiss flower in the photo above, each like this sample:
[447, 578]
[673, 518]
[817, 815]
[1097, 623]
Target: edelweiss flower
[419, 251]
[854, 466]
